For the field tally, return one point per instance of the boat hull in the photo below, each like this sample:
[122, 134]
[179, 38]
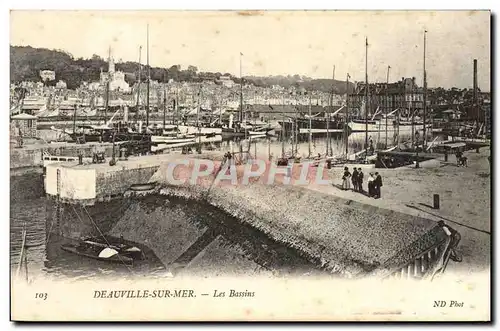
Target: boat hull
[316, 126]
[119, 258]
[170, 140]
[380, 126]
[188, 129]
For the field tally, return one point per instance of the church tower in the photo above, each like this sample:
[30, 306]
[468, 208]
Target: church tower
[111, 62]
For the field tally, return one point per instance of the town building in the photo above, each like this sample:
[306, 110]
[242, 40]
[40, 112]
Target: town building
[47, 75]
[226, 81]
[61, 85]
[404, 95]
[24, 125]
[115, 78]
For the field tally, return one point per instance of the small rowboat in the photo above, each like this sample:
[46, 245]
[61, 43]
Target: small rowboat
[98, 253]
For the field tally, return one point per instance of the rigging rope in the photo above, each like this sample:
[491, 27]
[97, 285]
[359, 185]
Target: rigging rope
[83, 207]
[102, 235]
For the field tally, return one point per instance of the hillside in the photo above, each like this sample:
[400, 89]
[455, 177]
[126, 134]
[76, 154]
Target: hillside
[26, 63]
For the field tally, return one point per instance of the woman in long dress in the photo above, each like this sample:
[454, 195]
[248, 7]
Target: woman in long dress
[371, 186]
[346, 179]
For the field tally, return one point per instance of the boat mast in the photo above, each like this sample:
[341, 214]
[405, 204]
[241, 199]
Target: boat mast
[148, 79]
[255, 142]
[346, 125]
[219, 104]
[176, 106]
[138, 86]
[106, 106]
[74, 120]
[366, 98]
[386, 104]
[296, 124]
[198, 118]
[241, 93]
[425, 93]
[328, 142]
[412, 114]
[292, 136]
[164, 98]
[283, 127]
[310, 124]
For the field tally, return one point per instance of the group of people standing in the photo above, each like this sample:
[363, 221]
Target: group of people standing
[357, 176]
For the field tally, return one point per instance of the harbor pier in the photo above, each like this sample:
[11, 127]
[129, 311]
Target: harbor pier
[338, 235]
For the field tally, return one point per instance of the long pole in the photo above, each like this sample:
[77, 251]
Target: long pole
[425, 94]
[296, 127]
[138, 86]
[346, 125]
[283, 128]
[164, 99]
[328, 115]
[366, 98]
[219, 104]
[74, 120]
[412, 113]
[241, 91]
[149, 78]
[386, 104]
[292, 135]
[398, 120]
[310, 124]
[255, 142]
[198, 119]
[177, 106]
[23, 249]
[106, 105]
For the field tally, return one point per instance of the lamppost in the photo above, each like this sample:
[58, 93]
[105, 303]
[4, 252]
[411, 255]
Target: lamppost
[417, 136]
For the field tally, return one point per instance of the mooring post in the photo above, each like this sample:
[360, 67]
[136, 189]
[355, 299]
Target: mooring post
[436, 201]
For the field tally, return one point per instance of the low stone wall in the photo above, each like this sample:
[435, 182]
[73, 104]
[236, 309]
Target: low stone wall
[21, 158]
[343, 239]
[117, 182]
[31, 156]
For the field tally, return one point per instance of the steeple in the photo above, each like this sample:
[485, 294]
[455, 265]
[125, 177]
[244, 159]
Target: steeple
[111, 62]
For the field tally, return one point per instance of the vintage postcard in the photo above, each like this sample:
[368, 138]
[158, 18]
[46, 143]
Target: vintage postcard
[250, 165]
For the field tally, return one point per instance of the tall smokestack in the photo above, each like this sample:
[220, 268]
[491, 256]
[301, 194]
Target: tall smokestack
[475, 105]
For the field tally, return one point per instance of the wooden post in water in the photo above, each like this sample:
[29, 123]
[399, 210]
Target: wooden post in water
[23, 252]
[26, 265]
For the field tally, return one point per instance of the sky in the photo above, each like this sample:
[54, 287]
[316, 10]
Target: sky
[307, 43]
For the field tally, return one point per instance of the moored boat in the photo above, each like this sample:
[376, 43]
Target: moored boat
[361, 125]
[90, 250]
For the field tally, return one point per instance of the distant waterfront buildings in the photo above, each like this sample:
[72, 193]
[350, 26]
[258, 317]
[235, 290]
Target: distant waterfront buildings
[404, 95]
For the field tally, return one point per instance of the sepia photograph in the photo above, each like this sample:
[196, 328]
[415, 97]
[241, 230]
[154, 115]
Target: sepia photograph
[250, 165]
